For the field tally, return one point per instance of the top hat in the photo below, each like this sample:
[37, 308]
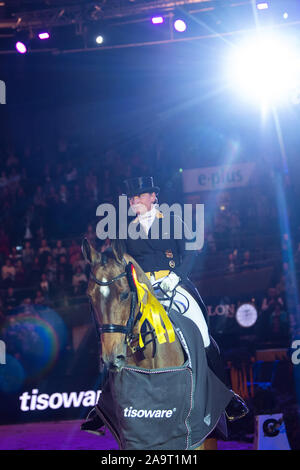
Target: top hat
[139, 185]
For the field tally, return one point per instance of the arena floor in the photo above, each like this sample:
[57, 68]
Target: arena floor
[66, 435]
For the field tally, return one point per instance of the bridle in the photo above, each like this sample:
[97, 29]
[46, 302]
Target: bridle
[112, 327]
[127, 330]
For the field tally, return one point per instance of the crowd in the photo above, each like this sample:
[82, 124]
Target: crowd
[48, 205]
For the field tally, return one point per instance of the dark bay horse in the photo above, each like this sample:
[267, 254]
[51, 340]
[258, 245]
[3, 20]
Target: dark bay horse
[152, 387]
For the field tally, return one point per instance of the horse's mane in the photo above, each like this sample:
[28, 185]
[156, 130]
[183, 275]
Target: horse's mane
[119, 251]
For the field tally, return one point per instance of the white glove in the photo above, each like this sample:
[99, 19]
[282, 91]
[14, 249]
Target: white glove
[169, 283]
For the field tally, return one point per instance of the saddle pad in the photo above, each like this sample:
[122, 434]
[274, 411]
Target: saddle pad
[162, 409]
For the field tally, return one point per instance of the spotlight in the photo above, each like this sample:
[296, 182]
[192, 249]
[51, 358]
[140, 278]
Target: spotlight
[266, 68]
[180, 26]
[21, 47]
[262, 5]
[285, 15]
[99, 39]
[157, 20]
[44, 35]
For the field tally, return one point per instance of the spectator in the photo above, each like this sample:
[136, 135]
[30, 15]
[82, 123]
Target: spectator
[278, 330]
[15, 255]
[4, 244]
[11, 300]
[73, 251]
[45, 285]
[63, 194]
[79, 281]
[39, 298]
[39, 197]
[20, 274]
[35, 271]
[270, 300]
[8, 271]
[44, 252]
[77, 260]
[28, 254]
[231, 267]
[51, 269]
[59, 250]
[91, 234]
[64, 270]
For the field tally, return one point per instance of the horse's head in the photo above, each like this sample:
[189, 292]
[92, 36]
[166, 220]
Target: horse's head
[113, 300]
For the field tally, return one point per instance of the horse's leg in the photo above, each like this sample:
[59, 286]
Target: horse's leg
[208, 444]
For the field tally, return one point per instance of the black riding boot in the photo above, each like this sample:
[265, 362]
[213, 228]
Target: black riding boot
[93, 423]
[236, 408]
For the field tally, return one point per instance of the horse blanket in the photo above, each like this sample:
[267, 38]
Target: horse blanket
[165, 409]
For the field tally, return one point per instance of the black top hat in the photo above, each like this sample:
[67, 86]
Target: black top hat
[142, 184]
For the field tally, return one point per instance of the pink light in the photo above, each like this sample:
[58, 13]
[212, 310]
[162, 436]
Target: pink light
[157, 20]
[180, 26]
[21, 48]
[44, 35]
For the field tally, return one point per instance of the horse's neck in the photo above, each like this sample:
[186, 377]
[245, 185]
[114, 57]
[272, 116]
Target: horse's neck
[157, 356]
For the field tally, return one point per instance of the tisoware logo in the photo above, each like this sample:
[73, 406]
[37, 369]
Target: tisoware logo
[57, 400]
[133, 413]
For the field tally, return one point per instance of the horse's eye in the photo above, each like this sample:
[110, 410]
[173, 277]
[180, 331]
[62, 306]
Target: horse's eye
[124, 295]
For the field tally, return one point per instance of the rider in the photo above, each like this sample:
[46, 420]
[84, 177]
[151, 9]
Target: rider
[167, 264]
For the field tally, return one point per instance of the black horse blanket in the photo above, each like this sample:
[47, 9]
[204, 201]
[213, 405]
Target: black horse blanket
[171, 409]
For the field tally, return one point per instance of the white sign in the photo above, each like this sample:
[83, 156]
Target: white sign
[217, 177]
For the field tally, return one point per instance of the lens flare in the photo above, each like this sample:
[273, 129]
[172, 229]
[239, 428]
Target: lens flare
[35, 338]
[265, 69]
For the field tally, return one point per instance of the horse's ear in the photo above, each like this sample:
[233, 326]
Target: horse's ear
[90, 255]
[118, 248]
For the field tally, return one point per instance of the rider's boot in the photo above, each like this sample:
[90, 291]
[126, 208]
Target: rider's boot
[93, 422]
[236, 408]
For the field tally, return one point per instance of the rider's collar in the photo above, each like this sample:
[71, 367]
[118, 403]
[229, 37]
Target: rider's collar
[158, 215]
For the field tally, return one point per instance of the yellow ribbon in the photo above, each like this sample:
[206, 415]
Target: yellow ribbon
[153, 311]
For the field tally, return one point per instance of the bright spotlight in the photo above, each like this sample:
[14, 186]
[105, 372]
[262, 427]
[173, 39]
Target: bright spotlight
[44, 35]
[157, 20]
[21, 48]
[285, 15]
[266, 69]
[262, 5]
[99, 39]
[180, 26]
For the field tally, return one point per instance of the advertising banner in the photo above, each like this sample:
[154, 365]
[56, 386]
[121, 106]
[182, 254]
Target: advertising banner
[218, 177]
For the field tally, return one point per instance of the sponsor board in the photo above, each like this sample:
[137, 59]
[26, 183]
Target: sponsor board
[43, 401]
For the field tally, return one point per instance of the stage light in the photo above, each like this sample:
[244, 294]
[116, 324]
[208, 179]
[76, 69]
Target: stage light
[99, 39]
[262, 5]
[266, 69]
[180, 26]
[21, 47]
[285, 15]
[157, 20]
[44, 35]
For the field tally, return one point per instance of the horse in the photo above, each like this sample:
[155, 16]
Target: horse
[151, 356]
